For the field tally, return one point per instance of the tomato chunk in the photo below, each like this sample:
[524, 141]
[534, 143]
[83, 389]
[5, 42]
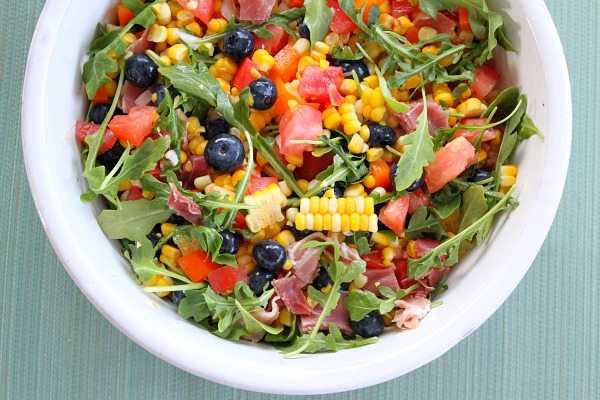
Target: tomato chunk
[486, 79]
[124, 15]
[417, 199]
[286, 63]
[313, 166]
[274, 44]
[374, 260]
[315, 85]
[223, 279]
[243, 77]
[259, 183]
[341, 22]
[203, 11]
[381, 172]
[300, 123]
[393, 214]
[136, 126]
[402, 8]
[450, 161]
[196, 265]
[84, 129]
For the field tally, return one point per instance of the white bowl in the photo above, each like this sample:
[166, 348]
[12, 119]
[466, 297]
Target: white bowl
[53, 100]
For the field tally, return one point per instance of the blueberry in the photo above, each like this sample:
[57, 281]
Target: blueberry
[175, 219]
[215, 126]
[264, 93]
[338, 191]
[140, 70]
[322, 280]
[393, 171]
[98, 113]
[480, 175]
[303, 31]
[416, 184]
[238, 44]
[371, 325]
[348, 66]
[301, 234]
[110, 158]
[177, 296]
[224, 153]
[381, 135]
[269, 255]
[155, 235]
[258, 279]
[160, 93]
[231, 242]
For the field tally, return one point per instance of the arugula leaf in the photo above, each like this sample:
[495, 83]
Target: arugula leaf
[254, 325]
[316, 295]
[346, 53]
[134, 5]
[317, 18]
[422, 222]
[170, 121]
[448, 249]
[474, 206]
[333, 341]
[359, 303]
[361, 241]
[208, 239]
[285, 336]
[193, 305]
[134, 220]
[418, 152]
[198, 83]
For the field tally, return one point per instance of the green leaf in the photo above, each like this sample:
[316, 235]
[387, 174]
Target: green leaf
[95, 73]
[418, 153]
[316, 295]
[169, 121]
[359, 304]
[317, 18]
[193, 305]
[208, 239]
[422, 223]
[186, 78]
[527, 129]
[474, 206]
[361, 241]
[134, 220]
[346, 53]
[134, 5]
[320, 342]
[253, 324]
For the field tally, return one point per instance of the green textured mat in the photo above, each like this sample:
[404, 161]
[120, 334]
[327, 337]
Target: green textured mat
[544, 343]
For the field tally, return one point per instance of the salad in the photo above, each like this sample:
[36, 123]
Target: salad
[300, 173]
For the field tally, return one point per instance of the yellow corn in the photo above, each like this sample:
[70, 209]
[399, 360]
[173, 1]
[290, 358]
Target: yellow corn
[285, 238]
[426, 33]
[169, 255]
[411, 83]
[374, 154]
[202, 182]
[172, 36]
[369, 181]
[411, 249]
[357, 145]
[354, 190]
[471, 108]
[178, 53]
[349, 119]
[508, 176]
[263, 60]
[194, 28]
[162, 11]
[331, 118]
[224, 68]
[269, 202]
[332, 39]
[216, 25]
[402, 24]
[388, 256]
[349, 87]
[260, 119]
[442, 94]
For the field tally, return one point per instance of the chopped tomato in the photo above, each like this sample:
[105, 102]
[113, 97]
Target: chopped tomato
[313, 166]
[101, 96]
[134, 193]
[84, 129]
[486, 79]
[374, 260]
[295, 3]
[240, 221]
[136, 126]
[402, 8]
[401, 271]
[412, 34]
[381, 172]
[223, 279]
[470, 134]
[450, 161]
[393, 214]
[463, 19]
[416, 200]
[197, 265]
[259, 183]
[124, 15]
[286, 63]
[283, 96]
[316, 84]
[203, 11]
[274, 44]
[243, 77]
[341, 22]
[300, 123]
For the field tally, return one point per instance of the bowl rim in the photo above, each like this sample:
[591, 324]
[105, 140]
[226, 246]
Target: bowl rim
[31, 119]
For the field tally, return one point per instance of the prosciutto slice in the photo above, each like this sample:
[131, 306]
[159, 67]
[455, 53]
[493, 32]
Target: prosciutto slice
[411, 311]
[199, 168]
[380, 277]
[436, 116]
[339, 316]
[305, 261]
[289, 290]
[184, 206]
[129, 95]
[142, 44]
[255, 11]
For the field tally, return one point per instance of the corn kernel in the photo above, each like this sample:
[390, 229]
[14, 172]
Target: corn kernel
[350, 205]
[369, 181]
[304, 205]
[471, 108]
[341, 205]
[373, 223]
[359, 203]
[314, 205]
[508, 170]
[285, 238]
[177, 53]
[354, 190]
[202, 182]
[411, 249]
[172, 36]
[507, 181]
[162, 12]
[336, 223]
[369, 205]
[167, 228]
[356, 144]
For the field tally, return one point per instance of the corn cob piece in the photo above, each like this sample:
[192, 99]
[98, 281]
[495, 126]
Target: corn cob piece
[346, 214]
[270, 202]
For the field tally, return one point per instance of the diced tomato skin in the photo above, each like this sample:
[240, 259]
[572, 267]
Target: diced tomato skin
[341, 22]
[450, 161]
[316, 83]
[124, 15]
[381, 172]
[401, 271]
[223, 279]
[412, 35]
[463, 19]
[286, 63]
[203, 11]
[135, 193]
[393, 214]
[243, 77]
[84, 129]
[374, 260]
[136, 126]
[402, 8]
[417, 199]
[302, 122]
[197, 265]
[313, 166]
[259, 183]
[486, 79]
[240, 222]
[274, 44]
[295, 3]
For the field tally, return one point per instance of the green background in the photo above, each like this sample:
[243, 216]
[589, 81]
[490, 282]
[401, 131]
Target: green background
[544, 343]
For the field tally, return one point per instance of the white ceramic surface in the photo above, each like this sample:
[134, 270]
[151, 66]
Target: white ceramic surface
[53, 100]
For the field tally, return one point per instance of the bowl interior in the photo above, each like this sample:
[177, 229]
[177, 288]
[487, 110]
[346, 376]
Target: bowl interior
[53, 101]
